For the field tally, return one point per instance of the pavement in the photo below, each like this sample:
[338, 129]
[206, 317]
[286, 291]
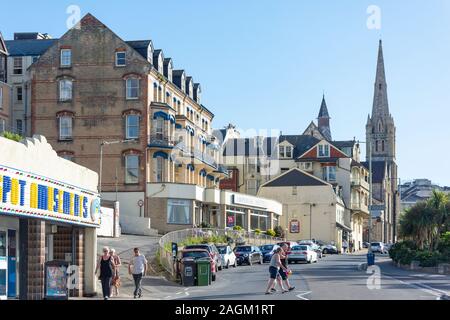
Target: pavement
[334, 277]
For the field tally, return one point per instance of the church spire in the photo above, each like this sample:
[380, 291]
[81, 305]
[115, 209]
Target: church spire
[324, 120]
[380, 100]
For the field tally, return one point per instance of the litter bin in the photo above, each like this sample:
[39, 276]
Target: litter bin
[188, 272]
[370, 259]
[203, 272]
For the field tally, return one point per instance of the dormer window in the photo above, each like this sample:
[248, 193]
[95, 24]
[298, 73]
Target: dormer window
[323, 151]
[121, 59]
[285, 151]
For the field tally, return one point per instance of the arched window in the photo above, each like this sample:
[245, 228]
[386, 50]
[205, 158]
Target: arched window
[382, 145]
[376, 145]
[65, 90]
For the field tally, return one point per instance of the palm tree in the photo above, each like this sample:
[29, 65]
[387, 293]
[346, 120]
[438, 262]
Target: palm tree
[438, 204]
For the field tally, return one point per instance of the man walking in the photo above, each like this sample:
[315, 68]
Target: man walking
[138, 268]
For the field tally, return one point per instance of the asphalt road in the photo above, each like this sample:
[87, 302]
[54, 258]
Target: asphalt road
[333, 277]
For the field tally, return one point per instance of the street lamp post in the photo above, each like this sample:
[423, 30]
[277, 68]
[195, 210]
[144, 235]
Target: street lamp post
[105, 143]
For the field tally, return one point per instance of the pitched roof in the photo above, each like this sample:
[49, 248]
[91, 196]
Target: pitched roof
[33, 47]
[378, 170]
[295, 178]
[141, 46]
[343, 144]
[3, 48]
[301, 143]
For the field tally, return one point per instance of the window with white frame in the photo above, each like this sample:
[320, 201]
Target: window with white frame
[329, 173]
[132, 126]
[131, 168]
[65, 128]
[18, 65]
[66, 57]
[179, 211]
[281, 151]
[323, 150]
[121, 58]
[132, 88]
[159, 128]
[288, 152]
[65, 90]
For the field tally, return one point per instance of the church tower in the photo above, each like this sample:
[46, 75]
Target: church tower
[323, 120]
[380, 134]
[380, 128]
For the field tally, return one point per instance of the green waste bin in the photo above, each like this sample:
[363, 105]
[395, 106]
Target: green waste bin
[203, 272]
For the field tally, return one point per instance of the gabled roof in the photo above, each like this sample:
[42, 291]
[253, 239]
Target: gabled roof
[295, 178]
[141, 46]
[336, 154]
[33, 47]
[301, 143]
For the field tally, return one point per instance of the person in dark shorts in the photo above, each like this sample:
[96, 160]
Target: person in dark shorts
[283, 273]
[274, 267]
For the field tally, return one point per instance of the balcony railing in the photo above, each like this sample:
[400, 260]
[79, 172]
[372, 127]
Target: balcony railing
[161, 140]
[360, 183]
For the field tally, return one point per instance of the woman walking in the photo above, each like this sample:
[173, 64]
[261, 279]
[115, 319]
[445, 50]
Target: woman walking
[116, 277]
[274, 267]
[107, 267]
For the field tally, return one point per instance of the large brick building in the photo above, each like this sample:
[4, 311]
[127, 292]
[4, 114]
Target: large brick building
[91, 86]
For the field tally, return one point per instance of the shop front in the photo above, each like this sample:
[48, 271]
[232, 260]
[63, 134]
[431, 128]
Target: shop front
[49, 214]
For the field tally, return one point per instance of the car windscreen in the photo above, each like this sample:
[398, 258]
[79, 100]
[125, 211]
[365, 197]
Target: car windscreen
[243, 249]
[222, 250]
[375, 244]
[195, 254]
[268, 247]
[299, 248]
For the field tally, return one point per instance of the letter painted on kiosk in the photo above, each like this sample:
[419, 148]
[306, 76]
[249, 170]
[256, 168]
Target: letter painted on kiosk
[25, 194]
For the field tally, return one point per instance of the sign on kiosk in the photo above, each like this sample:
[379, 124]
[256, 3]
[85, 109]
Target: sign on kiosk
[26, 194]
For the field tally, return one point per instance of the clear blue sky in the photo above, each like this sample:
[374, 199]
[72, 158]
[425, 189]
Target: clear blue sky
[265, 64]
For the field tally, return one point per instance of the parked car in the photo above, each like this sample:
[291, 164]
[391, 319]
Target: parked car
[365, 244]
[227, 255]
[212, 251]
[329, 249]
[302, 253]
[267, 251]
[314, 246]
[289, 243]
[199, 254]
[378, 247]
[248, 255]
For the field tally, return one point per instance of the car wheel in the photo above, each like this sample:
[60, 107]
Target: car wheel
[325, 251]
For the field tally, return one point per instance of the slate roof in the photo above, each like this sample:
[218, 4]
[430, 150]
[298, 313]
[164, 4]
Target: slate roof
[32, 47]
[343, 144]
[378, 168]
[250, 147]
[140, 46]
[295, 178]
[301, 143]
[323, 112]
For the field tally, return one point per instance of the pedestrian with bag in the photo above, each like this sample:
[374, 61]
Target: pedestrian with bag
[107, 269]
[137, 268]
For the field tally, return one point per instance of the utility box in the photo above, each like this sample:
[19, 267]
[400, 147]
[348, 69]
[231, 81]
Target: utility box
[188, 272]
[370, 259]
[203, 272]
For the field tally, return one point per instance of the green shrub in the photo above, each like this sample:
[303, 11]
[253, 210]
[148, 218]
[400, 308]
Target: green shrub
[428, 259]
[237, 228]
[271, 233]
[279, 232]
[12, 136]
[258, 231]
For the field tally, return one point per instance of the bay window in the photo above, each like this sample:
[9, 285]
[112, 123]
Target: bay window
[179, 211]
[329, 174]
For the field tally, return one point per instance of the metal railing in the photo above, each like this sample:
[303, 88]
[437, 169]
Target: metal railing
[207, 235]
